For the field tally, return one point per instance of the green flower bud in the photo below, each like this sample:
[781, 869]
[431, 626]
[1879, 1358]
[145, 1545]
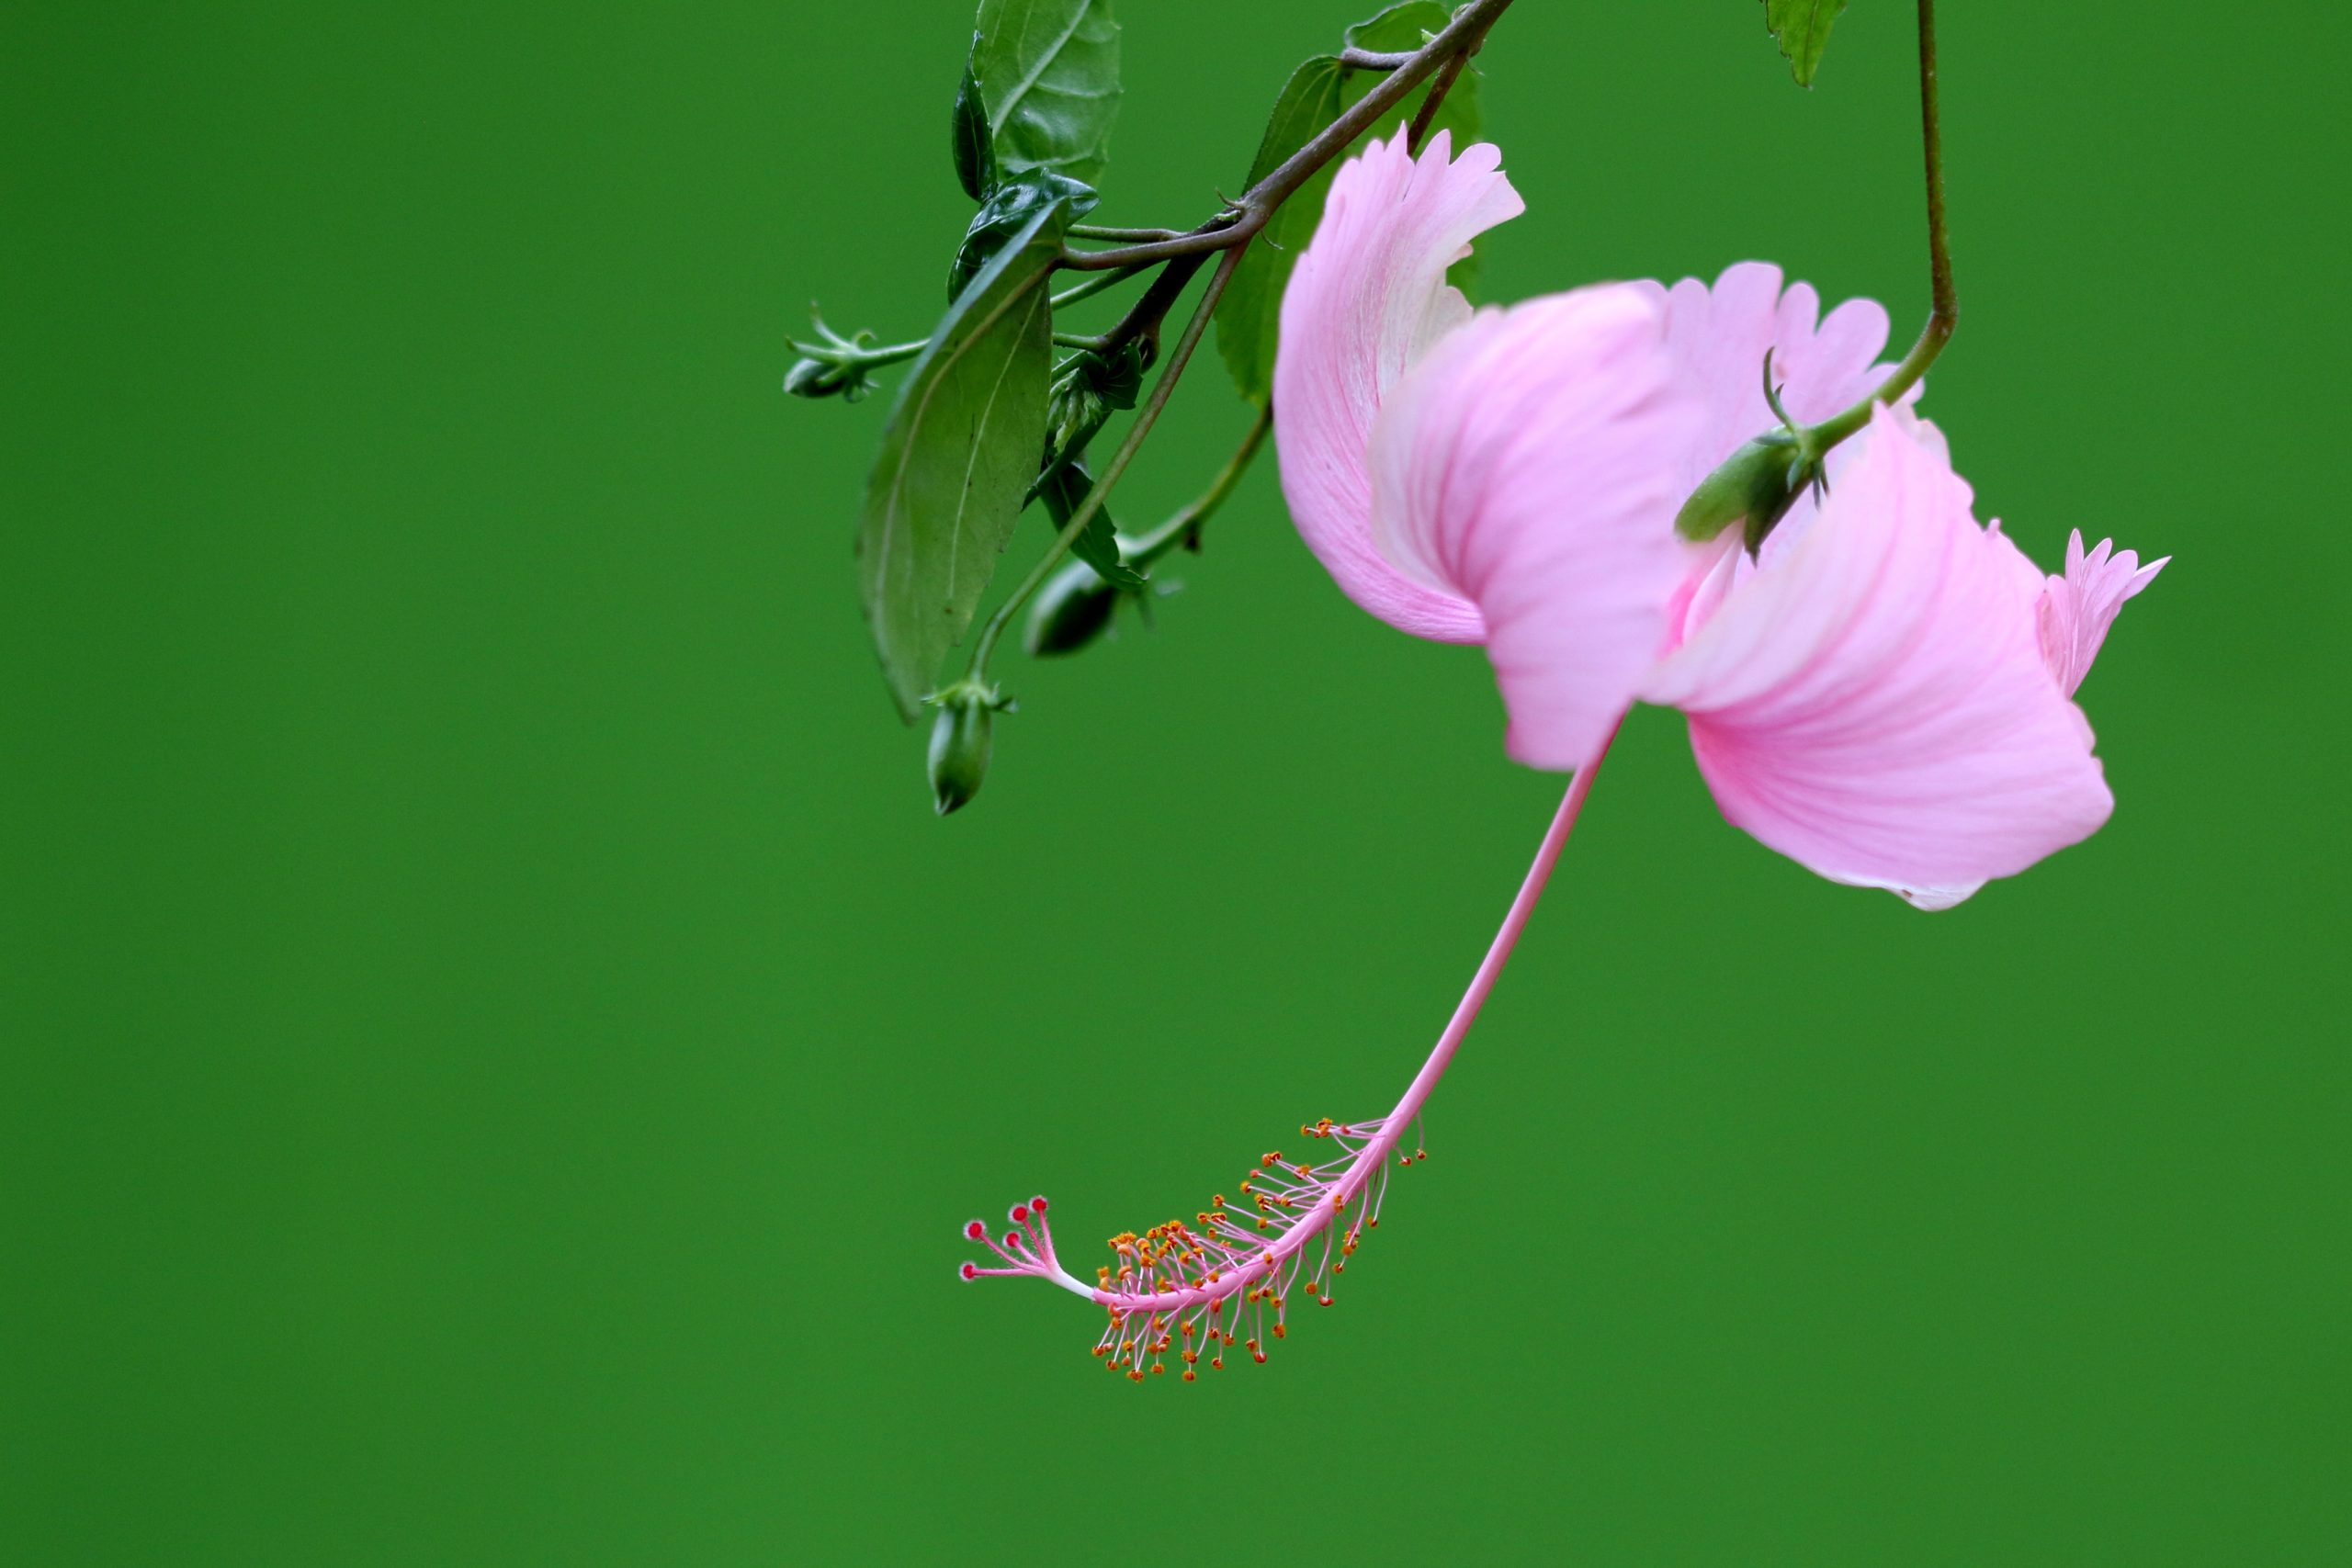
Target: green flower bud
[960, 739]
[1073, 609]
[808, 379]
[828, 378]
[1753, 488]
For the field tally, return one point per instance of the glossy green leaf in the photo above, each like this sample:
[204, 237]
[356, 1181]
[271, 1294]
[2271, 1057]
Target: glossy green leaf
[975, 158]
[1049, 78]
[1006, 214]
[1803, 28]
[1248, 318]
[961, 448]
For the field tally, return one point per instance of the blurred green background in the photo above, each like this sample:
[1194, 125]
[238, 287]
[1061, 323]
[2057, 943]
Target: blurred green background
[497, 1048]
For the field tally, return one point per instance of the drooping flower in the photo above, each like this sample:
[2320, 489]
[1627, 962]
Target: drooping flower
[1870, 696]
[1883, 693]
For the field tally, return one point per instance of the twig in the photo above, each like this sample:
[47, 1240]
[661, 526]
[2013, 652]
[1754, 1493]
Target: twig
[1239, 222]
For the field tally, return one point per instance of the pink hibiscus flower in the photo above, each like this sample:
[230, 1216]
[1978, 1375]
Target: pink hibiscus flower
[1883, 695]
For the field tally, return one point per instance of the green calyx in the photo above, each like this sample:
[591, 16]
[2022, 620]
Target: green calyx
[1755, 487]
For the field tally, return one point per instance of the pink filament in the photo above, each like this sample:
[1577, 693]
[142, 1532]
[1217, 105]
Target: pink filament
[1369, 1158]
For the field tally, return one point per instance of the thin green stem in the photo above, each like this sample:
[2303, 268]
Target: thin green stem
[1945, 314]
[1145, 417]
[853, 355]
[1184, 527]
[1136, 236]
[1096, 284]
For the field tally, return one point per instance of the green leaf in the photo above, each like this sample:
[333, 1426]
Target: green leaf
[1049, 72]
[1248, 318]
[1006, 213]
[1803, 27]
[1098, 543]
[975, 158]
[959, 451]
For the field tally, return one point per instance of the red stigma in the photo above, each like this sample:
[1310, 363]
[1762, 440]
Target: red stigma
[975, 1231]
[969, 1272]
[1038, 1204]
[1020, 1214]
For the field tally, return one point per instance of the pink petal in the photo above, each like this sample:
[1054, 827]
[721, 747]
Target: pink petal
[1719, 338]
[1367, 298]
[1526, 467]
[2077, 607]
[1872, 701]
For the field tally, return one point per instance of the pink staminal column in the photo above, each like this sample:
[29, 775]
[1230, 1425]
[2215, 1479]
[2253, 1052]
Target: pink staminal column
[1196, 1289]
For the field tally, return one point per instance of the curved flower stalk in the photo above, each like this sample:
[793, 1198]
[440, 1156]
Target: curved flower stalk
[1195, 1289]
[1884, 694]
